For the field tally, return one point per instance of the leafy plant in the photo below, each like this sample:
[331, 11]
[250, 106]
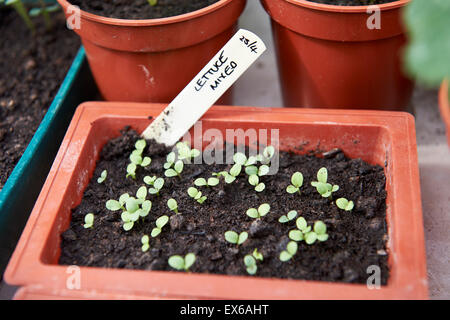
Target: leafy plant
[233, 237]
[289, 217]
[180, 263]
[257, 255]
[88, 221]
[196, 195]
[345, 204]
[176, 171]
[137, 159]
[260, 212]
[254, 181]
[250, 261]
[211, 182]
[160, 223]
[291, 250]
[267, 155]
[297, 182]
[132, 208]
[21, 10]
[242, 160]
[173, 205]
[254, 170]
[301, 231]
[322, 186]
[152, 2]
[319, 233]
[156, 183]
[231, 176]
[170, 160]
[185, 152]
[103, 176]
[145, 243]
[428, 51]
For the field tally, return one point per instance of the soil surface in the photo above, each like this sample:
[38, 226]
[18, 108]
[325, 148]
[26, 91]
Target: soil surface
[32, 68]
[140, 9]
[357, 239]
[352, 2]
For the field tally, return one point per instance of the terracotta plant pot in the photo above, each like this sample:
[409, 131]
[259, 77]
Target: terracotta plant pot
[328, 58]
[377, 137]
[444, 106]
[153, 60]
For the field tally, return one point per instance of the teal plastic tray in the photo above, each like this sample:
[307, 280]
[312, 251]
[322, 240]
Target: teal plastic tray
[22, 188]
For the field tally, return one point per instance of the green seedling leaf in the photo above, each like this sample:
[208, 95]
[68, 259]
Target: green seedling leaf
[132, 204]
[113, 205]
[263, 170]
[141, 193]
[296, 235]
[140, 145]
[322, 175]
[173, 205]
[250, 264]
[149, 180]
[103, 176]
[235, 170]
[145, 243]
[344, 204]
[176, 262]
[88, 221]
[240, 158]
[291, 250]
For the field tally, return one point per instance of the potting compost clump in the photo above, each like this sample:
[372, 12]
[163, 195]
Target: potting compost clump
[150, 207]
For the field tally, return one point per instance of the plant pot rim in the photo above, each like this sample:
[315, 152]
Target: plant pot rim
[148, 22]
[347, 9]
[33, 262]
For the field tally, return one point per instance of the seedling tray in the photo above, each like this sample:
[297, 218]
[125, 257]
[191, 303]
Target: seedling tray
[23, 185]
[378, 137]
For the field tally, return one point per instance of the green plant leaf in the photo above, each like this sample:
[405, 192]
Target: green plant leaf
[88, 220]
[145, 247]
[269, 152]
[149, 180]
[264, 209]
[200, 182]
[320, 227]
[291, 189]
[296, 235]
[172, 204]
[301, 224]
[113, 205]
[127, 226]
[257, 255]
[242, 237]
[162, 221]
[283, 219]
[212, 182]
[192, 192]
[252, 213]
[155, 232]
[285, 256]
[145, 239]
[310, 237]
[123, 198]
[251, 170]
[260, 187]
[102, 177]
[189, 260]
[146, 206]
[240, 158]
[322, 237]
[141, 193]
[140, 144]
[170, 173]
[322, 175]
[235, 170]
[159, 183]
[232, 237]
[252, 269]
[263, 170]
[131, 205]
[291, 215]
[176, 262]
[292, 248]
[253, 180]
[297, 179]
[249, 261]
[146, 161]
[179, 165]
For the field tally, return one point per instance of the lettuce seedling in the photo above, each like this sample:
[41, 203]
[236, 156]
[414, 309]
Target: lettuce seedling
[324, 188]
[250, 264]
[132, 208]
[160, 223]
[289, 217]
[137, 159]
[260, 212]
[301, 231]
[319, 233]
[176, 171]
[88, 221]
[291, 250]
[254, 170]
[173, 205]
[22, 11]
[250, 261]
[196, 195]
[345, 204]
[156, 183]
[185, 152]
[241, 159]
[152, 2]
[254, 181]
[230, 177]
[257, 255]
[267, 155]
[102, 177]
[297, 182]
[170, 160]
[145, 243]
[233, 237]
[211, 182]
[180, 263]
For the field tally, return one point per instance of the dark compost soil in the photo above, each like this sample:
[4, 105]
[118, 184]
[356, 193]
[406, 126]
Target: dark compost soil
[352, 2]
[140, 9]
[31, 70]
[357, 239]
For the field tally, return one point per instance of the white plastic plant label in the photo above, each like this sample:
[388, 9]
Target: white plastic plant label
[243, 49]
